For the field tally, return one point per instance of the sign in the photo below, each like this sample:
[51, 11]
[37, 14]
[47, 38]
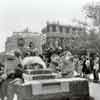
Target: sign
[50, 88]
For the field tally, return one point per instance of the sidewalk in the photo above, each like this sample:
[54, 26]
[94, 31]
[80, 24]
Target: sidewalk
[91, 78]
[94, 90]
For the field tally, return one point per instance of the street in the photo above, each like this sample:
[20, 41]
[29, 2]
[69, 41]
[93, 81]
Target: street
[94, 90]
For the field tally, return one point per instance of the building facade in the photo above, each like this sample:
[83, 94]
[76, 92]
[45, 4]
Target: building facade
[37, 39]
[63, 35]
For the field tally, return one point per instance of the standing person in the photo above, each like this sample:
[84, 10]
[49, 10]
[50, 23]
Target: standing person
[75, 62]
[91, 63]
[96, 69]
[86, 67]
[3, 77]
[80, 67]
[32, 50]
[68, 67]
[1, 72]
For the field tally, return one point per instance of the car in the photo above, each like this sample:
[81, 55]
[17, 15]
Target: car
[40, 83]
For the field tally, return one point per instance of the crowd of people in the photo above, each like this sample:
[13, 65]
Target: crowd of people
[86, 66]
[83, 65]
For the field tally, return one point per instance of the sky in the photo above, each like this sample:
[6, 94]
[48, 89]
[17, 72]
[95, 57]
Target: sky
[16, 15]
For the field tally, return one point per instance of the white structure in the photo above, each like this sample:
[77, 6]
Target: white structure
[38, 40]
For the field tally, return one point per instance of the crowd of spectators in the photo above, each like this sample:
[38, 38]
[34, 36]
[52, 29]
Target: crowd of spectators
[83, 65]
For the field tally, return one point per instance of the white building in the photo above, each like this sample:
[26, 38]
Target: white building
[38, 40]
[64, 34]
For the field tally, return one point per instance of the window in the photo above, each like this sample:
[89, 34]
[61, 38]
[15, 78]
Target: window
[61, 29]
[67, 30]
[48, 28]
[54, 28]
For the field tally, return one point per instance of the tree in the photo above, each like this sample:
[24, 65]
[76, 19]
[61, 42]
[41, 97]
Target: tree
[92, 11]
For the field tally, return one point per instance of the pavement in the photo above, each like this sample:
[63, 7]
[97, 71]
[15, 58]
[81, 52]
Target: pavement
[94, 89]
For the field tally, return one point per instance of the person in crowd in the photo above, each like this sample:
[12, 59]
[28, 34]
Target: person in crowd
[54, 64]
[68, 67]
[15, 75]
[91, 63]
[80, 67]
[48, 53]
[12, 79]
[6, 79]
[86, 67]
[96, 69]
[34, 51]
[1, 71]
[31, 49]
[19, 54]
[75, 62]
[2, 78]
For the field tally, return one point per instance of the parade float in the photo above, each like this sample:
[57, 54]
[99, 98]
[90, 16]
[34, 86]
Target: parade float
[40, 83]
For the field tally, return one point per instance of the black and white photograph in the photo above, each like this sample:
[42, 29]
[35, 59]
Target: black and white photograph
[49, 49]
